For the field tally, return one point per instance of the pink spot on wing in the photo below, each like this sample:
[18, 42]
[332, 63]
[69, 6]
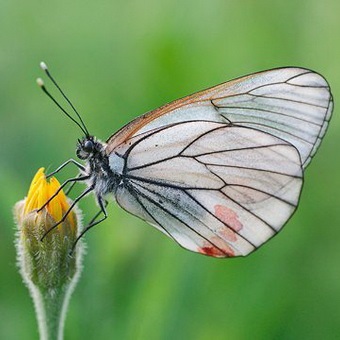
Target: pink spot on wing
[218, 245]
[228, 217]
[227, 234]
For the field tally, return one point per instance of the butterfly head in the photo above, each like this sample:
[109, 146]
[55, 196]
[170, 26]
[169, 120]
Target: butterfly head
[88, 147]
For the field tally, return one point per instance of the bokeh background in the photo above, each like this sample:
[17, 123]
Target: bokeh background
[116, 60]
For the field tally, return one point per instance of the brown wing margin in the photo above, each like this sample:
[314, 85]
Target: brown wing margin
[231, 89]
[131, 128]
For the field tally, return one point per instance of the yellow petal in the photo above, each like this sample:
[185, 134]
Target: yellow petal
[40, 174]
[55, 206]
[41, 191]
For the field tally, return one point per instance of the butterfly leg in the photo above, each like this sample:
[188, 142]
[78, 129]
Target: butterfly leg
[70, 161]
[82, 195]
[102, 210]
[74, 180]
[102, 204]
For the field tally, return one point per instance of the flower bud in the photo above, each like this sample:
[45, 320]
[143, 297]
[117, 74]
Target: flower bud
[47, 266]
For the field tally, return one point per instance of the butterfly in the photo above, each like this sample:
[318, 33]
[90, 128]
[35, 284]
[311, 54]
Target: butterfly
[219, 171]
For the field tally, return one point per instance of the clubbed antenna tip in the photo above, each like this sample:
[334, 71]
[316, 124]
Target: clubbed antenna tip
[43, 66]
[40, 82]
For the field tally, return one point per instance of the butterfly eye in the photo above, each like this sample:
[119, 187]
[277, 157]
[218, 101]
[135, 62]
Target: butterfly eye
[88, 146]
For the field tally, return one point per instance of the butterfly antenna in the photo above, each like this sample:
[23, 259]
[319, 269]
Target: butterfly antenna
[41, 84]
[44, 67]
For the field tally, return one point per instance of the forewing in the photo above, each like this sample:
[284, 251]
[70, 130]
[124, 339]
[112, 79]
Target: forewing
[293, 104]
[218, 189]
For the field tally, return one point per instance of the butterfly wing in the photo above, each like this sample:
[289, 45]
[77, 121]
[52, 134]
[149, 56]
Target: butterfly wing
[218, 189]
[221, 171]
[294, 104]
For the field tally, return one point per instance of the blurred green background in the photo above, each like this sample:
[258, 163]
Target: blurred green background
[119, 59]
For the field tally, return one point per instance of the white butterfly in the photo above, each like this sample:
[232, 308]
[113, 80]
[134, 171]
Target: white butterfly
[219, 171]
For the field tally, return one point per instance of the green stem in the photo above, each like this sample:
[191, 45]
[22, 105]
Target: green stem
[51, 307]
[47, 268]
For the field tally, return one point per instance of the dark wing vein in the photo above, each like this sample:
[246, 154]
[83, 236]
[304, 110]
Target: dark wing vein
[286, 99]
[179, 155]
[156, 131]
[247, 168]
[132, 191]
[169, 212]
[245, 108]
[273, 128]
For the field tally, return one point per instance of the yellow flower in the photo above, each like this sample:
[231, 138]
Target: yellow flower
[47, 266]
[39, 193]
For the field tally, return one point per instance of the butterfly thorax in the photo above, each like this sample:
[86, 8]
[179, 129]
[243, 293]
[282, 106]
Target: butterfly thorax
[101, 177]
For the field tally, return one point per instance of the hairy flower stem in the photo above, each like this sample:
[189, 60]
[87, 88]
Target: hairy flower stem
[51, 311]
[48, 268]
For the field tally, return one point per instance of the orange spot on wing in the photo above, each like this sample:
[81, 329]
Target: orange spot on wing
[216, 252]
[217, 248]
